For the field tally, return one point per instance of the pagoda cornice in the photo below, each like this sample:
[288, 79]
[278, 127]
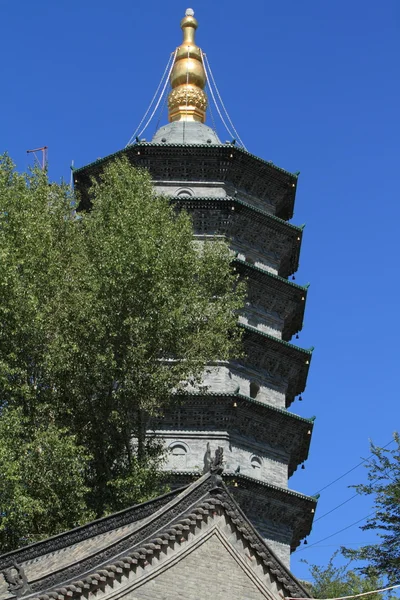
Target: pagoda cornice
[204, 202]
[245, 416]
[262, 272]
[261, 500]
[203, 162]
[247, 226]
[278, 292]
[280, 359]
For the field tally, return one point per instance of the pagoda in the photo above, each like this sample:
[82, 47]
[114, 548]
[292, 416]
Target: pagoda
[242, 404]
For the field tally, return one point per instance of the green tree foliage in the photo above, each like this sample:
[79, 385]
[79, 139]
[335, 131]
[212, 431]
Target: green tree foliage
[384, 485]
[332, 581]
[42, 483]
[105, 317]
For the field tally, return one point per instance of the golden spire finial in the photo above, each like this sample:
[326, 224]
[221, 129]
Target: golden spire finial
[187, 101]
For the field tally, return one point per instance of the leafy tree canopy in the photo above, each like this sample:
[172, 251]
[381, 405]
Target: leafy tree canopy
[42, 483]
[384, 485]
[337, 581]
[104, 317]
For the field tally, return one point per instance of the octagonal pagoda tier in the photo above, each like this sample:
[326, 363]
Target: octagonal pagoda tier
[255, 235]
[274, 304]
[259, 440]
[224, 168]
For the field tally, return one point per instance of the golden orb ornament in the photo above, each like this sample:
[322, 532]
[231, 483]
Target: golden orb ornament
[187, 101]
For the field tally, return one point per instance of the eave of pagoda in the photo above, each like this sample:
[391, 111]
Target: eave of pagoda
[248, 228]
[261, 500]
[203, 162]
[245, 416]
[278, 359]
[278, 296]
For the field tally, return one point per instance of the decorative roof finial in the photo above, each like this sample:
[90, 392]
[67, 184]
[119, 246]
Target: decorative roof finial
[187, 101]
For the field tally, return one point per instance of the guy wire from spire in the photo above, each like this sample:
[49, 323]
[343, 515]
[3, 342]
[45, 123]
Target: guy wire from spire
[213, 97]
[161, 112]
[212, 115]
[170, 66]
[162, 94]
[222, 103]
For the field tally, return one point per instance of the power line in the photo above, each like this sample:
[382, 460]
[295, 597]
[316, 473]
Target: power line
[350, 470]
[345, 544]
[333, 534]
[338, 506]
[390, 587]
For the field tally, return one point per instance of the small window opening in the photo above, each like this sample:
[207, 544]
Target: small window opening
[178, 453]
[184, 193]
[256, 462]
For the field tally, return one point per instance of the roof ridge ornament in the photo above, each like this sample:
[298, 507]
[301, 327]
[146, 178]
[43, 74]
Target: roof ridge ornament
[187, 100]
[215, 466]
[16, 580]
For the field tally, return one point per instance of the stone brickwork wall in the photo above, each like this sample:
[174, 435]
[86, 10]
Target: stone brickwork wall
[238, 378]
[186, 452]
[209, 572]
[192, 188]
[263, 321]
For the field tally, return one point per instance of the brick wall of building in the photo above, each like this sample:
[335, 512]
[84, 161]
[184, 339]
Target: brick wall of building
[209, 572]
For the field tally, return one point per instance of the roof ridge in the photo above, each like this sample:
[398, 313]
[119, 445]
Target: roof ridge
[29, 550]
[254, 534]
[219, 499]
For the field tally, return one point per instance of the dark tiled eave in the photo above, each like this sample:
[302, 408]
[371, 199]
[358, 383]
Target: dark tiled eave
[262, 273]
[237, 481]
[292, 350]
[87, 531]
[230, 201]
[231, 164]
[274, 284]
[227, 147]
[263, 405]
[291, 233]
[288, 353]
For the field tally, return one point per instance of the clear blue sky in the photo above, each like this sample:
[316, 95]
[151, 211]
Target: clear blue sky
[312, 86]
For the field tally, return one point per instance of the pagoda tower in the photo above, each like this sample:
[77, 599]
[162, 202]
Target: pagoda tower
[242, 406]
